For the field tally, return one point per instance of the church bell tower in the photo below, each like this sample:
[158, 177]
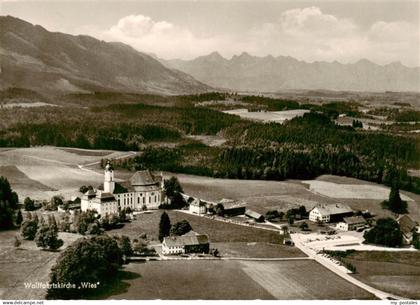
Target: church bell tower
[109, 183]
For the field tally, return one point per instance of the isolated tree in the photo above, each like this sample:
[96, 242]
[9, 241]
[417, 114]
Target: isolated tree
[303, 226]
[180, 228]
[17, 242]
[8, 203]
[83, 189]
[139, 246]
[172, 186]
[291, 220]
[7, 195]
[19, 218]
[54, 203]
[177, 201]
[302, 211]
[124, 244]
[220, 209]
[94, 229]
[164, 226]
[394, 202]
[29, 204]
[29, 228]
[65, 223]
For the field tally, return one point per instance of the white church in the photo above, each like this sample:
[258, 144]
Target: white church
[143, 190]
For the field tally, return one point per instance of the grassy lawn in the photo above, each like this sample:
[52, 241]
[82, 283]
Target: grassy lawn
[190, 280]
[394, 272]
[216, 230]
[303, 279]
[230, 280]
[26, 264]
[257, 249]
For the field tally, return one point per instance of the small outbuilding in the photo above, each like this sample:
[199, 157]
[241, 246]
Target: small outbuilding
[198, 207]
[254, 215]
[408, 226]
[352, 223]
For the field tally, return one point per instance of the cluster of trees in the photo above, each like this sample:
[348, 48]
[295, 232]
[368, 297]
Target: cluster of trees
[277, 152]
[357, 124]
[88, 260]
[166, 229]
[273, 215]
[386, 232]
[45, 233]
[407, 116]
[89, 223]
[8, 204]
[173, 189]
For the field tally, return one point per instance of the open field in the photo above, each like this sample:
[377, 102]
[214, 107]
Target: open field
[218, 280]
[26, 264]
[394, 272]
[191, 280]
[305, 279]
[216, 230]
[351, 191]
[256, 250]
[41, 172]
[268, 116]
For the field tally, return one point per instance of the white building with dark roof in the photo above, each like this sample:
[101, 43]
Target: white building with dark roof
[352, 223]
[198, 207]
[330, 212]
[142, 190]
[190, 242]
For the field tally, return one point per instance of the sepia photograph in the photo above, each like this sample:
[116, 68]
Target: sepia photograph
[209, 150]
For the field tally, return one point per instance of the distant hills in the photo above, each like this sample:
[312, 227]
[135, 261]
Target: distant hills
[271, 74]
[33, 58]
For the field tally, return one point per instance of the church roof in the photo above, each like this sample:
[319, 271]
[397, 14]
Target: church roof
[143, 178]
[90, 192]
[104, 196]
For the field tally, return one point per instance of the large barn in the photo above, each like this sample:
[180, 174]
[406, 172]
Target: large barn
[142, 190]
[330, 212]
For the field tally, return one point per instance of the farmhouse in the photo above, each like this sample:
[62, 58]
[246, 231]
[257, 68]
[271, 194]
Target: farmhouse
[143, 190]
[329, 212]
[191, 242]
[408, 226]
[351, 223]
[198, 207]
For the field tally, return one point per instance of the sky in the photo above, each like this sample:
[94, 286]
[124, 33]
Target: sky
[382, 31]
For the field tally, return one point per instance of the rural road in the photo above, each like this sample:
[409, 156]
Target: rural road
[339, 270]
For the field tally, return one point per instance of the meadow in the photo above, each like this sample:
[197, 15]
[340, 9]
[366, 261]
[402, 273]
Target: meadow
[230, 280]
[394, 272]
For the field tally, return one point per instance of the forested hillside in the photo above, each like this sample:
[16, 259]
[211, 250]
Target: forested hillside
[302, 148]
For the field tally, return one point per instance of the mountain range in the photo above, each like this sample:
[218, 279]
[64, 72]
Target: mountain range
[33, 58]
[270, 74]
